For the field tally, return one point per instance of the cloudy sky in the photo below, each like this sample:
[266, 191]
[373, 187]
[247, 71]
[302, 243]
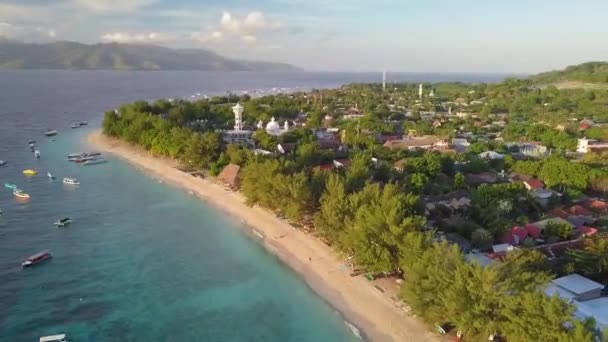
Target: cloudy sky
[346, 35]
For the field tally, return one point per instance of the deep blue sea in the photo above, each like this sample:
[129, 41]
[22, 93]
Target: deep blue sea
[142, 261]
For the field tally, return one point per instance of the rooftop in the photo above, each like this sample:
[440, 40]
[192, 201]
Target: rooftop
[577, 284]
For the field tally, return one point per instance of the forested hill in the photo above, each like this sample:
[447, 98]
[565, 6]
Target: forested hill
[113, 56]
[591, 72]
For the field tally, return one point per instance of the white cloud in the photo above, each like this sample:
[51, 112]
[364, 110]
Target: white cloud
[203, 37]
[126, 37]
[252, 23]
[113, 6]
[25, 32]
[248, 38]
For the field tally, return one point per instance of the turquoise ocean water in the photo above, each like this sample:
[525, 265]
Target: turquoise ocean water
[142, 261]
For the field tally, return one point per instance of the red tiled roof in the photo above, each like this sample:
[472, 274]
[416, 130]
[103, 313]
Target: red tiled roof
[534, 183]
[584, 230]
[514, 236]
[532, 230]
[595, 204]
[558, 212]
[579, 210]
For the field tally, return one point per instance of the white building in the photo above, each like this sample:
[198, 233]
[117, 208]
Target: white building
[238, 136]
[584, 294]
[585, 145]
[274, 128]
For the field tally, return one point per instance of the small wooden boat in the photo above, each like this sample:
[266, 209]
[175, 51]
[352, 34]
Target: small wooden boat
[83, 123]
[54, 338]
[50, 133]
[10, 186]
[29, 172]
[71, 181]
[20, 194]
[36, 259]
[63, 222]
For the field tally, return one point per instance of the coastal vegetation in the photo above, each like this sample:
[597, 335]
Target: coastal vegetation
[385, 208]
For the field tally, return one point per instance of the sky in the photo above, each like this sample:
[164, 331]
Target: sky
[513, 36]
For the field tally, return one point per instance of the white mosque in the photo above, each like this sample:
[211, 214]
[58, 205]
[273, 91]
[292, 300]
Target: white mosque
[274, 128]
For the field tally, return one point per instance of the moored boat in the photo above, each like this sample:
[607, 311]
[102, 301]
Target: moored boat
[32, 142]
[2, 162]
[50, 175]
[36, 259]
[94, 161]
[37, 154]
[10, 186]
[83, 123]
[71, 181]
[76, 126]
[54, 338]
[50, 133]
[63, 222]
[29, 172]
[20, 194]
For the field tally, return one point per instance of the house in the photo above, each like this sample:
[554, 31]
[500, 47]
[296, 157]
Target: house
[584, 294]
[515, 236]
[230, 176]
[455, 200]
[481, 178]
[425, 142]
[460, 144]
[585, 145]
[491, 155]
[586, 231]
[533, 184]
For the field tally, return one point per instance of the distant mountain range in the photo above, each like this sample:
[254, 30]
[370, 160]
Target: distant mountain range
[113, 56]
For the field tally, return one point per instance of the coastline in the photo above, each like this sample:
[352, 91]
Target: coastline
[360, 304]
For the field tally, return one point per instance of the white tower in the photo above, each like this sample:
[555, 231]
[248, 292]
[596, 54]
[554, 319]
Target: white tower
[420, 91]
[238, 117]
[286, 126]
[384, 80]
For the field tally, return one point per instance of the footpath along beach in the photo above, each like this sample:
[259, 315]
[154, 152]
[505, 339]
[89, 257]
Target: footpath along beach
[371, 311]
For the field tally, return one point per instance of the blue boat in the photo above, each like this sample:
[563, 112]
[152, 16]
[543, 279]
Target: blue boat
[10, 186]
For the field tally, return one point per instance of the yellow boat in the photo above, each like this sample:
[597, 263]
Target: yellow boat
[29, 172]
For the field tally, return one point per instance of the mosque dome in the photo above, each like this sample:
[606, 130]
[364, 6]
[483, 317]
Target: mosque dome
[273, 126]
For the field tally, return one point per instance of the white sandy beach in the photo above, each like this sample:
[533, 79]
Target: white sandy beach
[356, 298]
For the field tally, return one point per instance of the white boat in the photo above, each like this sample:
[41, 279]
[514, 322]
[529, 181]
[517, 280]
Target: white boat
[50, 175]
[63, 222]
[37, 154]
[50, 133]
[71, 181]
[54, 338]
[76, 126]
[2, 162]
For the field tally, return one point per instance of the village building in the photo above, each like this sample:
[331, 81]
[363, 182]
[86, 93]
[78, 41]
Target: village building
[426, 142]
[230, 176]
[238, 136]
[584, 294]
[585, 145]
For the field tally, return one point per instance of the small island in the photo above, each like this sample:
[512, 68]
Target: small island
[480, 208]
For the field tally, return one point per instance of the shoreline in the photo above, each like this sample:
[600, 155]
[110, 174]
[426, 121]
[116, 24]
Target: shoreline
[360, 305]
